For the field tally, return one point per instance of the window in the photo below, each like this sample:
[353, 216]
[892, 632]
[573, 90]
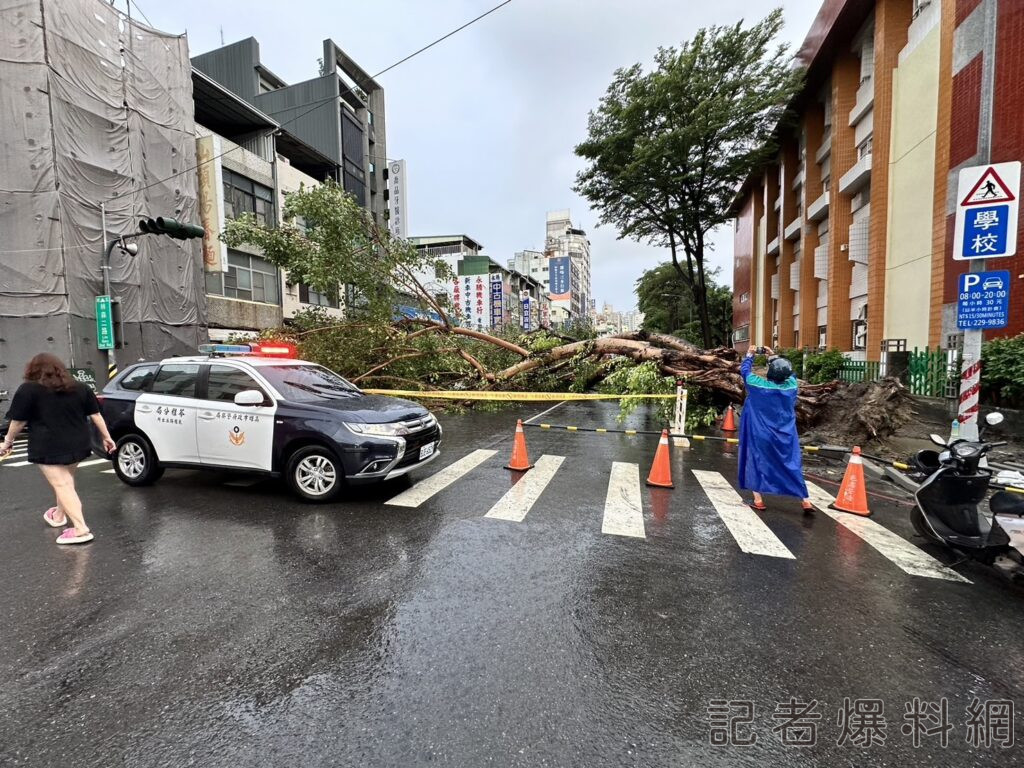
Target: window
[242, 195]
[138, 379]
[248, 277]
[307, 383]
[744, 297]
[177, 379]
[822, 335]
[860, 334]
[741, 334]
[864, 148]
[355, 187]
[308, 296]
[226, 382]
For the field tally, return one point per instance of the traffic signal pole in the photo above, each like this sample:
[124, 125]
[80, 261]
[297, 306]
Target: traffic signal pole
[161, 225]
[105, 271]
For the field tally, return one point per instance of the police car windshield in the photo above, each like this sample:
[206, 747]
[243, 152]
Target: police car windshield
[307, 383]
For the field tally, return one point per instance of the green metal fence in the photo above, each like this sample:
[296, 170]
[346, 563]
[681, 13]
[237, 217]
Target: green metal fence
[854, 371]
[928, 372]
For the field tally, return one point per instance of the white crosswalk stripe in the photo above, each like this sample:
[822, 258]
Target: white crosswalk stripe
[107, 472]
[521, 497]
[623, 510]
[15, 464]
[437, 482]
[895, 548]
[749, 530]
[93, 462]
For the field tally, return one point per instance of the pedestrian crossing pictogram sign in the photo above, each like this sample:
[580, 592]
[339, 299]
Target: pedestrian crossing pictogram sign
[986, 214]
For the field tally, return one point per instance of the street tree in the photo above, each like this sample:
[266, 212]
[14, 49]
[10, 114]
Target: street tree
[668, 306]
[328, 241]
[667, 148]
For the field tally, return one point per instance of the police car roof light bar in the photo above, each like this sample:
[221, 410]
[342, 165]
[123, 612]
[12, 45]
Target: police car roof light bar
[274, 349]
[219, 350]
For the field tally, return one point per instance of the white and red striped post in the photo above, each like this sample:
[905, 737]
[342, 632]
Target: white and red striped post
[970, 398]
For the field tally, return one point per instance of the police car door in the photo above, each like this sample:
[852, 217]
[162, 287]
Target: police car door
[233, 435]
[166, 414]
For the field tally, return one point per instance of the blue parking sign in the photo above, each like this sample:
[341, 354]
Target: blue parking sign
[985, 231]
[983, 300]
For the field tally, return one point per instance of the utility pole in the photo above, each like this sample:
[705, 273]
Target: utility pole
[970, 370]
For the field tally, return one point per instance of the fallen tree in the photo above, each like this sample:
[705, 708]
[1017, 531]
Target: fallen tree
[327, 240]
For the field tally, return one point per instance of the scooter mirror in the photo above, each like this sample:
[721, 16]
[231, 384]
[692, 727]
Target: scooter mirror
[993, 419]
[938, 439]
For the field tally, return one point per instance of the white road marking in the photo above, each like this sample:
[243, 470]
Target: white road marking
[623, 511]
[16, 464]
[107, 472]
[437, 482]
[749, 530]
[524, 494]
[897, 549]
[93, 462]
[15, 456]
[544, 413]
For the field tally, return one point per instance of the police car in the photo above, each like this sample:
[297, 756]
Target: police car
[256, 408]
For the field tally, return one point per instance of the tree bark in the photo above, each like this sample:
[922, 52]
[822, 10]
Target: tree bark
[701, 292]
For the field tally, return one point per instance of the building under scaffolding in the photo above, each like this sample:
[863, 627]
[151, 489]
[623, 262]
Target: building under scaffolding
[94, 109]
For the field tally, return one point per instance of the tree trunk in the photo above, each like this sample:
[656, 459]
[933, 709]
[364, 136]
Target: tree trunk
[700, 294]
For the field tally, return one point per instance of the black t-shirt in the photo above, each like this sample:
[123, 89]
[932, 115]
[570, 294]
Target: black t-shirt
[57, 421]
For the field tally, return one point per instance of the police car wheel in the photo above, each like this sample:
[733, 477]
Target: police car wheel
[135, 463]
[315, 474]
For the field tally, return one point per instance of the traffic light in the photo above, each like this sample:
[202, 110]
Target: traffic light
[163, 225]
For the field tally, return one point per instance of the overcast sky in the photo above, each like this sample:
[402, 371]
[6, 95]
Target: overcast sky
[488, 119]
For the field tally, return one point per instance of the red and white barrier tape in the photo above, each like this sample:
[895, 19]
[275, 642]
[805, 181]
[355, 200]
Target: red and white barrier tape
[970, 392]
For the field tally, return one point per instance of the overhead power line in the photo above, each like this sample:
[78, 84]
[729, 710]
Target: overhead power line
[321, 102]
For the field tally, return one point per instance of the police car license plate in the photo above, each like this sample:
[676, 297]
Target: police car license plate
[426, 451]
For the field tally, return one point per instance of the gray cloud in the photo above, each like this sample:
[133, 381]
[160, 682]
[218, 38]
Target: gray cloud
[487, 120]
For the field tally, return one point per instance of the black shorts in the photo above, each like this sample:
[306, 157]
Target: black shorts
[62, 459]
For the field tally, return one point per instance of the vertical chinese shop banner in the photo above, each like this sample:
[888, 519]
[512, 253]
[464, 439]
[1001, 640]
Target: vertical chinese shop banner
[497, 301]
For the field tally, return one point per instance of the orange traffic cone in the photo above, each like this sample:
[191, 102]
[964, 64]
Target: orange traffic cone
[520, 461]
[729, 420]
[661, 469]
[853, 495]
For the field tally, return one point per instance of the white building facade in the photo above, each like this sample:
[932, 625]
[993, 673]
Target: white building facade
[568, 253]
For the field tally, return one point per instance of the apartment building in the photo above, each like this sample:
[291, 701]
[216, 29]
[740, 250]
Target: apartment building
[845, 239]
[568, 252]
[264, 139]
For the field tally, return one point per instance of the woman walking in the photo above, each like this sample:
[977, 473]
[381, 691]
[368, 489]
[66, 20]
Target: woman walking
[57, 410]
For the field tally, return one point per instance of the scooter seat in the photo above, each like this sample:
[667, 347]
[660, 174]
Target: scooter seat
[1006, 503]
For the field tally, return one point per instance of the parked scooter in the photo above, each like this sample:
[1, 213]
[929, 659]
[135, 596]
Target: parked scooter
[948, 507]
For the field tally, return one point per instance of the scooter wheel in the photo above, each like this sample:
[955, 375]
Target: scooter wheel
[920, 525]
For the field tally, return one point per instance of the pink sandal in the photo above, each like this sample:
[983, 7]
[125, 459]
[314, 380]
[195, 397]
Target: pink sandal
[50, 516]
[70, 537]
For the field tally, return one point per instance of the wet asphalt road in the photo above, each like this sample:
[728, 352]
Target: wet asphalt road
[218, 622]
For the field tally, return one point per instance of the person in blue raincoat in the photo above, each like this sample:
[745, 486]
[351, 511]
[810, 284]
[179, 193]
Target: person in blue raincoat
[770, 457]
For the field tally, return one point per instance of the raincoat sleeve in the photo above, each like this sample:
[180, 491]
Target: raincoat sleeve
[746, 367]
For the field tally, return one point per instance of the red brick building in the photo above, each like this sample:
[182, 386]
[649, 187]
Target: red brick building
[845, 239]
